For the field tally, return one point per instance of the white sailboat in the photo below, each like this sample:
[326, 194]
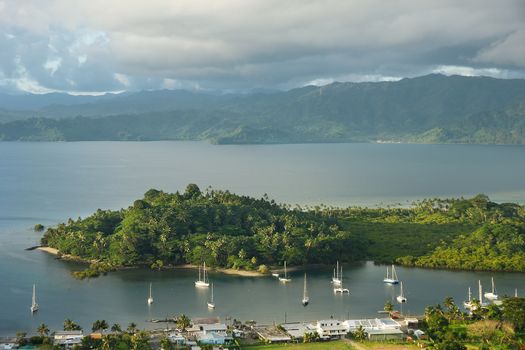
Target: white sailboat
[391, 279]
[211, 303]
[341, 289]
[150, 298]
[336, 279]
[468, 303]
[492, 295]
[306, 298]
[204, 281]
[515, 292]
[285, 279]
[34, 305]
[401, 297]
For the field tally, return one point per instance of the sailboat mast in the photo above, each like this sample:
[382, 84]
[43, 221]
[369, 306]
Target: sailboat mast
[337, 269]
[285, 275]
[204, 272]
[493, 289]
[34, 295]
[480, 292]
[212, 293]
[150, 290]
[304, 290]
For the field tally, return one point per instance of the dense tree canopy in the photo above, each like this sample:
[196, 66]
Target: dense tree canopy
[228, 230]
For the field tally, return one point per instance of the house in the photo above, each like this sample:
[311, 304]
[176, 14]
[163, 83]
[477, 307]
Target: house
[217, 328]
[385, 334]
[331, 329]
[67, 338]
[272, 335]
[298, 329]
[176, 338]
[212, 338]
[372, 324]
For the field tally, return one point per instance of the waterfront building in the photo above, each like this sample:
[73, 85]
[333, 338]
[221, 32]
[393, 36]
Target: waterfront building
[331, 329]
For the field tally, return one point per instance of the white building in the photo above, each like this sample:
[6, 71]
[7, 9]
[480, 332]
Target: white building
[331, 329]
[68, 338]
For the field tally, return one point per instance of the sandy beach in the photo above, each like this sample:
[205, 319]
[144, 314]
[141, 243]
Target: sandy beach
[245, 273]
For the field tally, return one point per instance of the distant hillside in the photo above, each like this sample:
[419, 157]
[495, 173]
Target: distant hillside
[428, 109]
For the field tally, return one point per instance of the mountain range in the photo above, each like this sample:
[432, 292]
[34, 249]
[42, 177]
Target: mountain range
[428, 109]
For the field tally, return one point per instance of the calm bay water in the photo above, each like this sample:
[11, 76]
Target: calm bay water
[50, 182]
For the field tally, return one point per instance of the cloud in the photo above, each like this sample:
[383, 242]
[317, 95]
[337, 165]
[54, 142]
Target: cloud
[237, 44]
[507, 51]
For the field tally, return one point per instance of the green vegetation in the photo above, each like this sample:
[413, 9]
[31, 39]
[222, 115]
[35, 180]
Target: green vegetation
[239, 232]
[333, 345]
[428, 109]
[492, 327]
[39, 228]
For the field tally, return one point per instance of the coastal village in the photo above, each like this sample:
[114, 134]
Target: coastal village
[210, 332]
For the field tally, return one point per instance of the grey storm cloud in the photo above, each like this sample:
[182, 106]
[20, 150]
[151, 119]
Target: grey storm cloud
[97, 45]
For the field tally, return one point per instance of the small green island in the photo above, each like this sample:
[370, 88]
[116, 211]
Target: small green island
[230, 231]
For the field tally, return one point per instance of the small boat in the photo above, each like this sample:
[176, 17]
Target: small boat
[401, 297]
[492, 295]
[150, 299]
[211, 303]
[340, 289]
[515, 292]
[306, 299]
[203, 283]
[275, 275]
[391, 279]
[336, 279]
[285, 279]
[468, 303]
[34, 305]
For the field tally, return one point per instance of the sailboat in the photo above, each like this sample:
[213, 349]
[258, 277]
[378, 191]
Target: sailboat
[340, 289]
[401, 297]
[306, 299]
[515, 292]
[204, 281]
[468, 303]
[391, 279]
[34, 305]
[150, 299]
[211, 303]
[336, 279]
[492, 294]
[285, 278]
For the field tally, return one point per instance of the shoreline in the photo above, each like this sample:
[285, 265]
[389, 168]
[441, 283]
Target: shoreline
[74, 258]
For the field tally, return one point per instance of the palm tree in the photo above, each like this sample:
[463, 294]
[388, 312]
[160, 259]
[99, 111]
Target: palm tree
[43, 330]
[183, 322]
[359, 334]
[71, 326]
[132, 328]
[116, 328]
[99, 325]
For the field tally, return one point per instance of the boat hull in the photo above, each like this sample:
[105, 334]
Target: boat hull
[202, 284]
[401, 299]
[390, 281]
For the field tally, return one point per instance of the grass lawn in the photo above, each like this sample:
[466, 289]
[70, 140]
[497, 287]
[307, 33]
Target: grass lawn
[332, 345]
[387, 346]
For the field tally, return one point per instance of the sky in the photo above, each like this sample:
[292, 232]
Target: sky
[96, 46]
